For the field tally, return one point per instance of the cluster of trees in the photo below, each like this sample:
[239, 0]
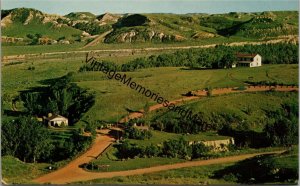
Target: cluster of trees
[30, 141]
[61, 96]
[280, 53]
[170, 122]
[177, 148]
[34, 38]
[267, 169]
[282, 129]
[70, 147]
[218, 57]
[131, 132]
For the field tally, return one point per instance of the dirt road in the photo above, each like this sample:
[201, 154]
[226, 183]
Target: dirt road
[68, 177]
[99, 39]
[155, 107]
[72, 170]
[8, 59]
[217, 91]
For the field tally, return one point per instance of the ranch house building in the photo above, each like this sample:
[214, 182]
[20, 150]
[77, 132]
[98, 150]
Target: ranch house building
[56, 120]
[247, 60]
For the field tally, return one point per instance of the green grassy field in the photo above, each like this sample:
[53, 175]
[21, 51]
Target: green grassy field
[170, 83]
[112, 97]
[115, 164]
[197, 175]
[159, 137]
[252, 109]
[46, 30]
[15, 171]
[193, 175]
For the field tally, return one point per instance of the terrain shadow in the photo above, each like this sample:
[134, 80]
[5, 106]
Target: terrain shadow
[13, 113]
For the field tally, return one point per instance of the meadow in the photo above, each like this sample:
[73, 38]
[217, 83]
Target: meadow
[113, 100]
[208, 174]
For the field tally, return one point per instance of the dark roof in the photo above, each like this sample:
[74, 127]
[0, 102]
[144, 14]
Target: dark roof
[245, 55]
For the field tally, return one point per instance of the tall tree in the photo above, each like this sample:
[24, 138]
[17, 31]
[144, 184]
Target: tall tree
[26, 138]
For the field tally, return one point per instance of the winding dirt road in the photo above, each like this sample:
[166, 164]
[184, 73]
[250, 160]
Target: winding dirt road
[218, 91]
[75, 176]
[99, 39]
[72, 173]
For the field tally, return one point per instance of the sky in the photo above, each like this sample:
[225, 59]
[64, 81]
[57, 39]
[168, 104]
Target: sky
[63, 7]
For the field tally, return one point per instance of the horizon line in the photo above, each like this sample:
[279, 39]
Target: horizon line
[63, 7]
[152, 12]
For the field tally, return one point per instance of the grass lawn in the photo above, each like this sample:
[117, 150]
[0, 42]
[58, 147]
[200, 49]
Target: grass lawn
[15, 171]
[115, 164]
[160, 136]
[191, 175]
[288, 160]
[250, 107]
[113, 98]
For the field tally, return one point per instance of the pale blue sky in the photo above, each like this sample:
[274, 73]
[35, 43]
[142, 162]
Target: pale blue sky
[152, 6]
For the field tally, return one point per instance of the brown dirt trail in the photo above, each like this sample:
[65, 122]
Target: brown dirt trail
[72, 173]
[75, 176]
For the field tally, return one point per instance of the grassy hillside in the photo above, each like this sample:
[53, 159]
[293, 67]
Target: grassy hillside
[15, 171]
[156, 28]
[228, 173]
[269, 169]
[250, 108]
[46, 30]
[81, 16]
[112, 97]
[23, 21]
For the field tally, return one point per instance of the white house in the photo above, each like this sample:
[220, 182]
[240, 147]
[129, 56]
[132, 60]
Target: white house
[247, 60]
[56, 120]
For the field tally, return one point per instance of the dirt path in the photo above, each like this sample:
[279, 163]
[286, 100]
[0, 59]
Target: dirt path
[100, 38]
[72, 173]
[68, 177]
[8, 59]
[72, 170]
[155, 107]
[219, 91]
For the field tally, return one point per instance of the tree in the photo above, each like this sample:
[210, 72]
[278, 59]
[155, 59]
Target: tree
[26, 139]
[227, 60]
[199, 150]
[177, 148]
[283, 128]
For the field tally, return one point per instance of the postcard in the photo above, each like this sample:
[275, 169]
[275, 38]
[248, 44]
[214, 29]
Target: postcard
[133, 92]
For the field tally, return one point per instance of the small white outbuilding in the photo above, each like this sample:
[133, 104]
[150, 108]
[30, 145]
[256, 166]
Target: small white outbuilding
[56, 120]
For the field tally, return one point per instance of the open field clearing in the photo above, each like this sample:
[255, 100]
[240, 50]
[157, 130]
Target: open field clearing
[113, 98]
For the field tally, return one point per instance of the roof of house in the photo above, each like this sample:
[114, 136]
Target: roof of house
[55, 117]
[246, 55]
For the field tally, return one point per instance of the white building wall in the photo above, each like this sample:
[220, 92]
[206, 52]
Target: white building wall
[256, 61]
